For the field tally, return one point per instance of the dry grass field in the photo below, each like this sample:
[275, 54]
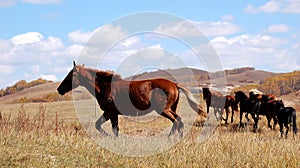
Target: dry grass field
[50, 135]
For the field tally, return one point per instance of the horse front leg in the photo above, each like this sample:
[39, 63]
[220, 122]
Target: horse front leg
[269, 122]
[255, 126]
[227, 113]
[100, 121]
[275, 122]
[115, 124]
[207, 109]
[241, 118]
[232, 114]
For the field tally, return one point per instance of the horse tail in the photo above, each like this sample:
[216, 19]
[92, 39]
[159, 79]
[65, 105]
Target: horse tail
[192, 101]
[295, 129]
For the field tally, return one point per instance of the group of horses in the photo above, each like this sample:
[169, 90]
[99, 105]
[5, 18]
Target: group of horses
[117, 96]
[256, 104]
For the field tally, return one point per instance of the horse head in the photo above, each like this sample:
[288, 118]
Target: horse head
[79, 75]
[206, 93]
[239, 96]
[70, 81]
[280, 105]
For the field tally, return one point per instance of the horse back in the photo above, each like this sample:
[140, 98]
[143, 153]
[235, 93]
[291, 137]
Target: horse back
[148, 93]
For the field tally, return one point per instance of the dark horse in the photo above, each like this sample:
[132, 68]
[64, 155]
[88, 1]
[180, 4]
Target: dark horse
[246, 106]
[219, 102]
[266, 105]
[286, 116]
[116, 96]
[270, 108]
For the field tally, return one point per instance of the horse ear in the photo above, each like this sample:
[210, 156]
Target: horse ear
[74, 68]
[83, 65]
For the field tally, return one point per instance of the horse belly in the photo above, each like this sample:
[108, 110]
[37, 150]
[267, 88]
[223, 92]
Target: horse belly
[133, 107]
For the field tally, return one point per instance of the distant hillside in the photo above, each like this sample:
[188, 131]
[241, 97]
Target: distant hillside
[235, 78]
[29, 94]
[280, 84]
[179, 75]
[21, 85]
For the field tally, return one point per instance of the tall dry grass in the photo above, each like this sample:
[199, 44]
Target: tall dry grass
[46, 139]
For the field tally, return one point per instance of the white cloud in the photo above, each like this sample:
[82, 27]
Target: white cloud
[42, 1]
[51, 77]
[228, 18]
[35, 68]
[6, 70]
[73, 50]
[270, 7]
[278, 28]
[6, 3]
[256, 51]
[79, 36]
[26, 38]
[26, 56]
[292, 7]
[130, 41]
[218, 28]
[99, 43]
[274, 6]
[196, 29]
[31, 55]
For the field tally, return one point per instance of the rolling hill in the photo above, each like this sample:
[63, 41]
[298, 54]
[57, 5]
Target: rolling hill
[234, 78]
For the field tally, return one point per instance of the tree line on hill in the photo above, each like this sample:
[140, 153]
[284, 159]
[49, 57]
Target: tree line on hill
[21, 85]
[278, 85]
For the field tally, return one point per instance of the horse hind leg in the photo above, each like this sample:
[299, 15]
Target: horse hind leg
[175, 119]
[178, 118]
[180, 126]
[287, 129]
[281, 129]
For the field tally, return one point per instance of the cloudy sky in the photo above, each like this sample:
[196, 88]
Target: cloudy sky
[41, 38]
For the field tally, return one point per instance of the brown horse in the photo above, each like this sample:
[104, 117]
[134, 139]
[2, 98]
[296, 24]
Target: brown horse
[116, 96]
[216, 100]
[270, 107]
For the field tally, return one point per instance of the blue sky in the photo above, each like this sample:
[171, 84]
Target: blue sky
[40, 38]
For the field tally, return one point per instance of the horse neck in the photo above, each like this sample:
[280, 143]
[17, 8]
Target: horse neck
[104, 80]
[89, 83]
[243, 98]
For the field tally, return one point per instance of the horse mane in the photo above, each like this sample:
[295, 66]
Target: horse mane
[241, 93]
[256, 91]
[108, 76]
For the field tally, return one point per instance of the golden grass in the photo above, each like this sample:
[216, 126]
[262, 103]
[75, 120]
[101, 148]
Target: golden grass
[49, 135]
